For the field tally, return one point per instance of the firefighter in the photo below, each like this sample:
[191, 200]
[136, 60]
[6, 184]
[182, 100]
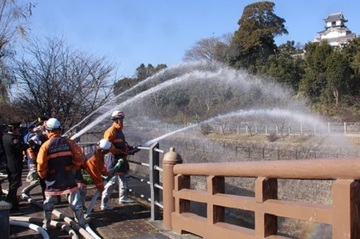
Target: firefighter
[58, 159]
[119, 150]
[31, 153]
[95, 165]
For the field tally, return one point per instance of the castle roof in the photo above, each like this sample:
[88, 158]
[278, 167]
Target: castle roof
[334, 17]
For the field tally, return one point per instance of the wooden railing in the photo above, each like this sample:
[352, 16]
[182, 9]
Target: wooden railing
[342, 214]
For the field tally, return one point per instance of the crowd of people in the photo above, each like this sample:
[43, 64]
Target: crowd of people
[57, 163]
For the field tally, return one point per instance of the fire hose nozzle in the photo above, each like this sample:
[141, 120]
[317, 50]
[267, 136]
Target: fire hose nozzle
[134, 149]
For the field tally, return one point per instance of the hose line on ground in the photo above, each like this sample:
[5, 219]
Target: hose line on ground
[31, 226]
[53, 223]
[87, 233]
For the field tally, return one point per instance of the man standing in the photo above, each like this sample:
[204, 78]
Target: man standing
[119, 150]
[58, 159]
[14, 147]
[2, 154]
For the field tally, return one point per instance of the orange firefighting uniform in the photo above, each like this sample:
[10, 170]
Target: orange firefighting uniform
[60, 155]
[95, 167]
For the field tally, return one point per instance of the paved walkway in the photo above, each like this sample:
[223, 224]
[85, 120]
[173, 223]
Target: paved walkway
[125, 221]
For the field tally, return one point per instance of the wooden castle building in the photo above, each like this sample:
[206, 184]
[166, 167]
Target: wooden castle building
[335, 33]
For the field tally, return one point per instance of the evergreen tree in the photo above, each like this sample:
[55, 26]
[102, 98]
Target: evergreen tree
[254, 40]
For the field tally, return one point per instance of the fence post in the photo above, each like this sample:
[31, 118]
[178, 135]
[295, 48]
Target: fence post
[289, 128]
[154, 180]
[170, 159]
[345, 128]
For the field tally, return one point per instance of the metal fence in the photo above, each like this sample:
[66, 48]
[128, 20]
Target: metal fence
[345, 128]
[253, 127]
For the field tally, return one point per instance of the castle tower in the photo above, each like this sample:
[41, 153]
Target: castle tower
[335, 33]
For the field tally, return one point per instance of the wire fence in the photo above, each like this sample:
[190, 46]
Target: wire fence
[236, 150]
[253, 127]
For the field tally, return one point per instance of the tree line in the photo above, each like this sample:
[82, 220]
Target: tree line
[327, 77]
[52, 78]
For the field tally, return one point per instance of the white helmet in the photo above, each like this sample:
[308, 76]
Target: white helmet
[52, 124]
[104, 144]
[117, 115]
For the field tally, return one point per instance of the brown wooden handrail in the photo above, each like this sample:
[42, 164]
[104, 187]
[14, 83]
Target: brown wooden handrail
[335, 168]
[343, 214]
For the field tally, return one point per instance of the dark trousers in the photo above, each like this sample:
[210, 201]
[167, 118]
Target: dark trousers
[14, 184]
[43, 185]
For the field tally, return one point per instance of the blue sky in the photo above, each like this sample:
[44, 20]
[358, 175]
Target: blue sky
[155, 32]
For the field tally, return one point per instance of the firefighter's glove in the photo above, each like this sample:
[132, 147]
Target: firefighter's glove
[133, 150]
[121, 161]
[32, 176]
[117, 165]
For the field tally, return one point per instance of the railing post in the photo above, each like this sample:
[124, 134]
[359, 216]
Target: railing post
[154, 179]
[346, 209]
[170, 159]
[215, 213]
[265, 224]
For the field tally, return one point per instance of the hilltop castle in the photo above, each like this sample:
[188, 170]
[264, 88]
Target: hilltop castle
[335, 33]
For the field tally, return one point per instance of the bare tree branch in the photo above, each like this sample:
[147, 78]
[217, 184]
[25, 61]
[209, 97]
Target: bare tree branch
[58, 81]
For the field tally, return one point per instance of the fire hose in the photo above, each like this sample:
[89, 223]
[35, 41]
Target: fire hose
[87, 233]
[31, 226]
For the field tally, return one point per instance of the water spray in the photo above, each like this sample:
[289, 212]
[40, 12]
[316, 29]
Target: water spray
[117, 97]
[244, 113]
[142, 95]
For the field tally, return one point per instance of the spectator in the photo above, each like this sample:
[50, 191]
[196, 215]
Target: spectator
[2, 155]
[2, 152]
[14, 147]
